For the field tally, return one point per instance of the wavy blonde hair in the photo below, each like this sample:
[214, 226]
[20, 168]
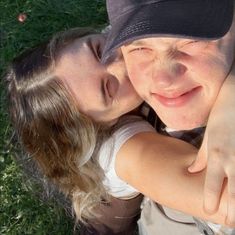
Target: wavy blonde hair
[63, 141]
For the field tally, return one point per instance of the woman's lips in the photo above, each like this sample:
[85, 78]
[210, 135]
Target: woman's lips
[176, 101]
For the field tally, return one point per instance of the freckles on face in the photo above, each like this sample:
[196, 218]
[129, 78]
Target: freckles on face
[99, 94]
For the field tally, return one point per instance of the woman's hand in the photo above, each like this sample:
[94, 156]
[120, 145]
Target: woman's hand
[217, 152]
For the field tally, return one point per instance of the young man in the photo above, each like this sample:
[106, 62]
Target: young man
[178, 54]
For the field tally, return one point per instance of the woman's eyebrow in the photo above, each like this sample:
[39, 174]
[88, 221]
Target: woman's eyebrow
[93, 49]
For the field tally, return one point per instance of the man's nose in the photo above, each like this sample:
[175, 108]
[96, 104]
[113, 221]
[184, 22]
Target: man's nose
[167, 75]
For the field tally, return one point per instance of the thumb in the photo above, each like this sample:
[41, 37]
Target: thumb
[200, 162]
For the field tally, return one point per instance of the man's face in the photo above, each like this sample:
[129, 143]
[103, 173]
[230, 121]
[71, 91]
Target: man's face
[179, 78]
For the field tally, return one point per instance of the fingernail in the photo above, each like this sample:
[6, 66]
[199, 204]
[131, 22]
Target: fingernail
[191, 167]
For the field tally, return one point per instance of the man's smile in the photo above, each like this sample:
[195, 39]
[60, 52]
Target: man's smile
[176, 100]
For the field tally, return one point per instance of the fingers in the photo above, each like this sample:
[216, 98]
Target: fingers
[213, 186]
[230, 220]
[199, 164]
[201, 161]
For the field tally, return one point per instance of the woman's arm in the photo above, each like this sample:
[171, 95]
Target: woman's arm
[157, 166]
[218, 149]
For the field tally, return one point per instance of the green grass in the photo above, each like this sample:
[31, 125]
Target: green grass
[22, 211]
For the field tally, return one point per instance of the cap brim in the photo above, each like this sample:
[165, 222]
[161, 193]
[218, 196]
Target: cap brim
[191, 19]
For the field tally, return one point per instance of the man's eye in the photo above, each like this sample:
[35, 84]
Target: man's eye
[140, 49]
[195, 44]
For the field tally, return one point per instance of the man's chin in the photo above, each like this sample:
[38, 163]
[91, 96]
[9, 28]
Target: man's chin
[181, 119]
[179, 125]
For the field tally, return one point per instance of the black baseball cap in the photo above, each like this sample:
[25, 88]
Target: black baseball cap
[135, 19]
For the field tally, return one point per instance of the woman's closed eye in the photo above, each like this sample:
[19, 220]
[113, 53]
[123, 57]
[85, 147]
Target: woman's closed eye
[109, 88]
[106, 92]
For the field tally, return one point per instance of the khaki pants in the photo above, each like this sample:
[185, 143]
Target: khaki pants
[156, 220]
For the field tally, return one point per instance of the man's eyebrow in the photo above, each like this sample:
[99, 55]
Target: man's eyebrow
[139, 42]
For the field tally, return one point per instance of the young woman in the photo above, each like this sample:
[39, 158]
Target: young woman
[66, 109]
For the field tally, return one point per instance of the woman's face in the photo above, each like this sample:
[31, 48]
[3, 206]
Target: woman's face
[102, 92]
